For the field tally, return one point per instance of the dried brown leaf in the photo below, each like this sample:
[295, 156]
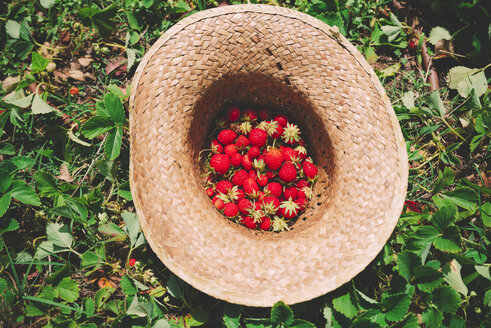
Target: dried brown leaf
[115, 63]
[10, 83]
[64, 174]
[76, 75]
[85, 61]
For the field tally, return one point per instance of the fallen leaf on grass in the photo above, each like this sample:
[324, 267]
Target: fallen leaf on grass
[64, 174]
[117, 62]
[103, 282]
[85, 61]
[76, 75]
[10, 83]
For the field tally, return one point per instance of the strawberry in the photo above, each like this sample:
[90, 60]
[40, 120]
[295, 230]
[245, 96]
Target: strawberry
[270, 205]
[231, 210]
[277, 132]
[230, 150]
[220, 163]
[302, 203]
[240, 194]
[226, 136]
[233, 113]
[265, 223]
[287, 173]
[244, 205]
[250, 114]
[254, 152]
[274, 189]
[290, 192]
[210, 192]
[218, 203]
[261, 195]
[216, 147]
[273, 159]
[246, 162]
[305, 192]
[289, 209]
[242, 142]
[301, 151]
[302, 183]
[239, 177]
[251, 188]
[263, 114]
[281, 119]
[249, 222]
[252, 174]
[291, 134]
[258, 163]
[236, 159]
[224, 186]
[289, 155]
[262, 180]
[74, 91]
[310, 170]
[270, 175]
[257, 137]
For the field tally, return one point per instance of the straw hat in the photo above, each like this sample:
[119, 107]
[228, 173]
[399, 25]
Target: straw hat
[284, 60]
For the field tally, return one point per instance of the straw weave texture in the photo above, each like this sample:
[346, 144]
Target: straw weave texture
[284, 60]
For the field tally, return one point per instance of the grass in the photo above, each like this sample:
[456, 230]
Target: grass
[71, 252]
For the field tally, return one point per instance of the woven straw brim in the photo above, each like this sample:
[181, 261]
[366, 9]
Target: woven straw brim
[284, 60]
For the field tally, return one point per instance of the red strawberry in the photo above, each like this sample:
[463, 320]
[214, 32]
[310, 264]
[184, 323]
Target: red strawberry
[240, 194]
[236, 159]
[249, 222]
[289, 209]
[290, 192]
[310, 170]
[278, 132]
[218, 203]
[74, 91]
[412, 44]
[250, 187]
[244, 205]
[265, 223]
[263, 114]
[246, 162]
[257, 137]
[289, 154]
[227, 136]
[274, 189]
[270, 175]
[239, 177]
[250, 114]
[231, 210]
[261, 195]
[273, 159]
[288, 173]
[252, 174]
[230, 150]
[220, 163]
[281, 119]
[210, 192]
[224, 186]
[242, 142]
[233, 113]
[272, 200]
[302, 183]
[262, 180]
[302, 203]
[216, 147]
[254, 152]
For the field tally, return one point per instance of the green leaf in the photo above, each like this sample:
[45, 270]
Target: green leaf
[486, 214]
[175, 287]
[90, 259]
[407, 262]
[147, 3]
[127, 286]
[432, 317]
[198, 317]
[7, 149]
[446, 299]
[102, 19]
[371, 55]
[114, 107]
[5, 203]
[395, 306]
[281, 313]
[116, 233]
[124, 191]
[436, 103]
[454, 278]
[445, 178]
[487, 298]
[23, 162]
[392, 32]
[7, 225]
[89, 307]
[19, 100]
[180, 7]
[12, 28]
[465, 79]
[38, 62]
[136, 308]
[39, 106]
[163, 323]
[131, 54]
[438, 33]
[46, 184]
[427, 278]
[68, 289]
[231, 315]
[299, 323]
[114, 139]
[483, 270]
[107, 168]
[132, 226]
[411, 321]
[59, 235]
[450, 240]
[390, 71]
[346, 304]
[427, 233]
[114, 89]
[96, 126]
[444, 217]
[24, 194]
[33, 311]
[463, 197]
[47, 3]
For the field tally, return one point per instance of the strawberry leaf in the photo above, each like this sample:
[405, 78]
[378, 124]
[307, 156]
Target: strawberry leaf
[281, 313]
[96, 126]
[427, 278]
[446, 299]
[395, 306]
[346, 304]
[114, 139]
[68, 289]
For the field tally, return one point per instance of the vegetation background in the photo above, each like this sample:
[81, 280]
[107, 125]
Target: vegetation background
[71, 252]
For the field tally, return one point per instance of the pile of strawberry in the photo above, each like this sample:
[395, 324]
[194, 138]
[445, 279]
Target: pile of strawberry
[257, 171]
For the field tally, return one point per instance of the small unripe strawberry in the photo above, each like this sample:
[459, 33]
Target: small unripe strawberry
[51, 67]
[288, 173]
[220, 163]
[226, 136]
[236, 159]
[254, 152]
[230, 210]
[233, 113]
[258, 137]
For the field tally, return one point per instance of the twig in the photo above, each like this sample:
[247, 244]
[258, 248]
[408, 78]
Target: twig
[428, 66]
